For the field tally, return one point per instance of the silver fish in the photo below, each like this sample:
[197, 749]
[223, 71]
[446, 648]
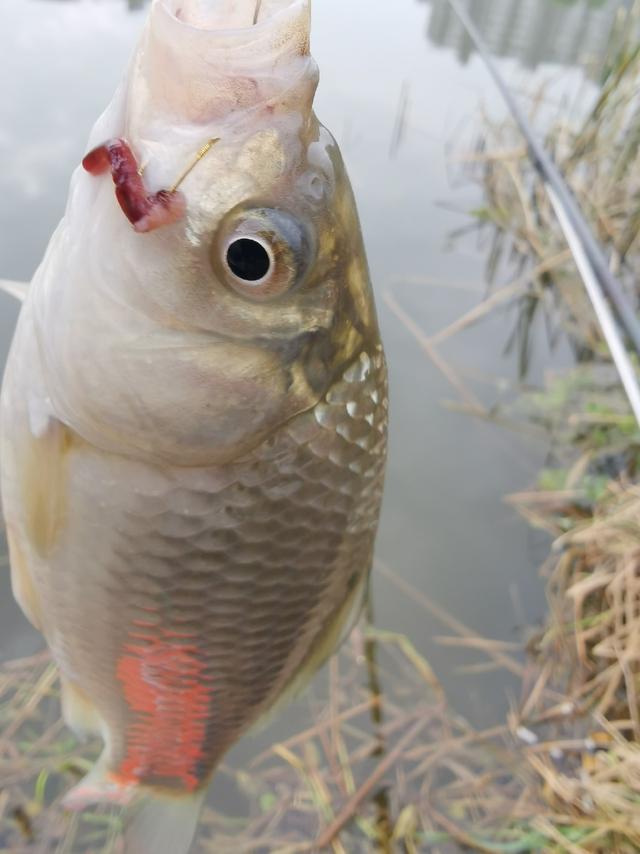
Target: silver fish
[194, 412]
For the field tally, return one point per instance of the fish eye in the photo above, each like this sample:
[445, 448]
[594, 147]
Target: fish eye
[261, 253]
[248, 259]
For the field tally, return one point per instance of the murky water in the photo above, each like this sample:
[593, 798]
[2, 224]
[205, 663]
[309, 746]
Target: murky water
[400, 86]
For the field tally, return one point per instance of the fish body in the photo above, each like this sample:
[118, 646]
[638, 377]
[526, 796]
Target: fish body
[194, 417]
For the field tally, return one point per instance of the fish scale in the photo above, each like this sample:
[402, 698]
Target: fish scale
[294, 545]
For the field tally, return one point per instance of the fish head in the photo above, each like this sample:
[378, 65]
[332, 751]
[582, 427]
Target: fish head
[198, 339]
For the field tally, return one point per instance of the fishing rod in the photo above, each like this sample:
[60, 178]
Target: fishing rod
[605, 291]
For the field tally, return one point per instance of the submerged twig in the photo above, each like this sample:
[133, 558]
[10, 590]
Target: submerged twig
[350, 808]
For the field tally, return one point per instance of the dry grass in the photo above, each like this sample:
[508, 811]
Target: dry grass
[597, 151]
[580, 716]
[590, 649]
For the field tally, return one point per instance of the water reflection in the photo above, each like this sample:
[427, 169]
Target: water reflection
[562, 32]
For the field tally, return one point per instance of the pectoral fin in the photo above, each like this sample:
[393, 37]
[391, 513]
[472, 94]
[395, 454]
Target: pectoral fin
[24, 589]
[17, 290]
[43, 470]
[41, 481]
[79, 712]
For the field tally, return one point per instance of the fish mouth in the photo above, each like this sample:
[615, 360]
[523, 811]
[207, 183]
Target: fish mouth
[230, 15]
[205, 60]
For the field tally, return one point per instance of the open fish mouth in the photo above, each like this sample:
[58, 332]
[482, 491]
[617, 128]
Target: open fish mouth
[205, 59]
[228, 14]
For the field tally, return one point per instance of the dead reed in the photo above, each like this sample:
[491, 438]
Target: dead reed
[597, 151]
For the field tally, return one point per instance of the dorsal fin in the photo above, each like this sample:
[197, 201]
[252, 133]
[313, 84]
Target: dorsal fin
[18, 290]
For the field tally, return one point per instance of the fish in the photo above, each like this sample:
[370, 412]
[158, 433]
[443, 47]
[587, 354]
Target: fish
[193, 417]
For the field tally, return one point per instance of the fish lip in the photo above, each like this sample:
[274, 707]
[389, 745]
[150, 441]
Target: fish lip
[207, 74]
[262, 26]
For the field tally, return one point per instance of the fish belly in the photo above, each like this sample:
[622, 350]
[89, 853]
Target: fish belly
[182, 603]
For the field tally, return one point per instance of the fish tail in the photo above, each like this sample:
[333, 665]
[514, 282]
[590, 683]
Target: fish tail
[163, 824]
[155, 822]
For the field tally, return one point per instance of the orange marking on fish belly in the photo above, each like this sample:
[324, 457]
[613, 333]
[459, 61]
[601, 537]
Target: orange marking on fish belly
[165, 686]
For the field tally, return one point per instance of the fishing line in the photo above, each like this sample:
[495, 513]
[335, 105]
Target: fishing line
[588, 255]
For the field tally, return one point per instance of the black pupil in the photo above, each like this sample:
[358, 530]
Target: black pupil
[248, 260]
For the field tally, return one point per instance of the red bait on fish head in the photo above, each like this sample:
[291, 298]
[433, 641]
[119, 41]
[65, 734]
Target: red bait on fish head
[146, 211]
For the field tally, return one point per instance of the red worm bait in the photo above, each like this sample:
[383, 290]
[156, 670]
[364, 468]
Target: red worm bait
[146, 211]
